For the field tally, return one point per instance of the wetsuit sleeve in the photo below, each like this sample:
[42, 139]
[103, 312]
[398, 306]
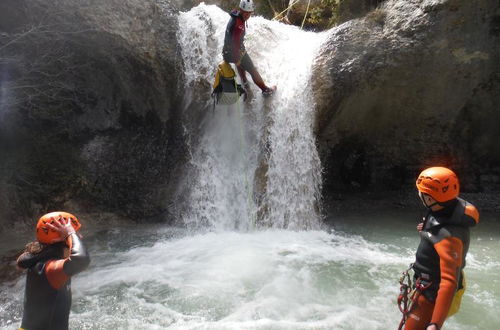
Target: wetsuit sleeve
[471, 214]
[59, 271]
[236, 41]
[450, 262]
[25, 260]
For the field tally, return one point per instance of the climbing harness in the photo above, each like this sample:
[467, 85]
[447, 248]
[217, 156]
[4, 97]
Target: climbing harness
[409, 293]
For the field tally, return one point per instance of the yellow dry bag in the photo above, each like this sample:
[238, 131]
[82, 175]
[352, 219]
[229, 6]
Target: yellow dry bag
[226, 90]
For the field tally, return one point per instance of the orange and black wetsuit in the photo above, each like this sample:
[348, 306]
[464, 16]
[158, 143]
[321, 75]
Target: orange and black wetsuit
[47, 299]
[440, 259]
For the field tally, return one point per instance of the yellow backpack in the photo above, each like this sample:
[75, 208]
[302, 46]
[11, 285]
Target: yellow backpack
[457, 298]
[226, 90]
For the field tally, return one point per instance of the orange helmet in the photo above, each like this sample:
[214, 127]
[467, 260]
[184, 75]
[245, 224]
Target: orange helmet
[440, 183]
[46, 235]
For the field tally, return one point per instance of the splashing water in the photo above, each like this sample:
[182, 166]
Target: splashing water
[273, 134]
[167, 278]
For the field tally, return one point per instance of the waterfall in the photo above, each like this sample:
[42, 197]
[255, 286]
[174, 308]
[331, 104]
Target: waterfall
[255, 163]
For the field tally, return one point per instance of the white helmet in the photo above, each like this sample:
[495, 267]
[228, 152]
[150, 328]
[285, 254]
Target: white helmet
[246, 5]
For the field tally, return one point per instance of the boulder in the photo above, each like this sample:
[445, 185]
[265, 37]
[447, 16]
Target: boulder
[88, 107]
[412, 84]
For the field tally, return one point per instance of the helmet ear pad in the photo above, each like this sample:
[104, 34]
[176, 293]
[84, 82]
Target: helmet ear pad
[427, 200]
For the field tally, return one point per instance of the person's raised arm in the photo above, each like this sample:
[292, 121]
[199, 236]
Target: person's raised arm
[59, 271]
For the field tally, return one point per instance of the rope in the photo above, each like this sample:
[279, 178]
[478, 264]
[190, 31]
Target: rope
[243, 147]
[307, 11]
[292, 3]
[409, 293]
[404, 292]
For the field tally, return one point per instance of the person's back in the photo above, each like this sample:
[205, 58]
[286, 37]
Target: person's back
[50, 263]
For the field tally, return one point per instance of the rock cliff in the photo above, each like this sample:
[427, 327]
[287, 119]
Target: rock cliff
[88, 110]
[92, 114]
[412, 84]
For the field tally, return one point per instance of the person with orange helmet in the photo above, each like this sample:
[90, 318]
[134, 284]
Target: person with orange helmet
[51, 261]
[234, 50]
[440, 257]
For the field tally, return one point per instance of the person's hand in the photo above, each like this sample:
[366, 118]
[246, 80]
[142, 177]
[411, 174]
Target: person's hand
[420, 226]
[63, 227]
[432, 327]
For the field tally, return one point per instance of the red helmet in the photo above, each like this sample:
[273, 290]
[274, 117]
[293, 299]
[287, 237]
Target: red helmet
[440, 183]
[46, 235]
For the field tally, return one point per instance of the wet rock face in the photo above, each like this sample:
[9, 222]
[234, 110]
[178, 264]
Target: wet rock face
[76, 74]
[413, 84]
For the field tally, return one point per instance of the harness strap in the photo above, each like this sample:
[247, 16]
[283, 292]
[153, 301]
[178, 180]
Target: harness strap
[409, 293]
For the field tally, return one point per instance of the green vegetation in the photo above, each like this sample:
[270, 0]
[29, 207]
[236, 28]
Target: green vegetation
[315, 14]
[310, 14]
[325, 14]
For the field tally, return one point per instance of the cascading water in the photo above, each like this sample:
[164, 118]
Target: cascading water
[292, 194]
[156, 277]
[217, 183]
[233, 147]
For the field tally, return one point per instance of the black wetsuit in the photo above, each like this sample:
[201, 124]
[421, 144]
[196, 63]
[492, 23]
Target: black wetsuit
[47, 299]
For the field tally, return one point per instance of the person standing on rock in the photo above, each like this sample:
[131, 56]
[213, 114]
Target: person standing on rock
[234, 49]
[58, 254]
[439, 281]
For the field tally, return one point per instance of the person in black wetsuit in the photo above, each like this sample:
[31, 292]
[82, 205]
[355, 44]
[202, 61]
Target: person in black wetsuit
[51, 261]
[234, 49]
[444, 242]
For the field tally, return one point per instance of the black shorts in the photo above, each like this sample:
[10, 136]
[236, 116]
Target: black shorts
[246, 62]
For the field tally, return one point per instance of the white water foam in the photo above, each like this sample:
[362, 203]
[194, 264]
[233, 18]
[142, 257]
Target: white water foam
[228, 280]
[166, 278]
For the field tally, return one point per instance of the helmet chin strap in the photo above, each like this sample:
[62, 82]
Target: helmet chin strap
[433, 204]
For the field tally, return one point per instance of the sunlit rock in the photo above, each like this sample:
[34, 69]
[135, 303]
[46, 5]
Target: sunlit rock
[414, 83]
